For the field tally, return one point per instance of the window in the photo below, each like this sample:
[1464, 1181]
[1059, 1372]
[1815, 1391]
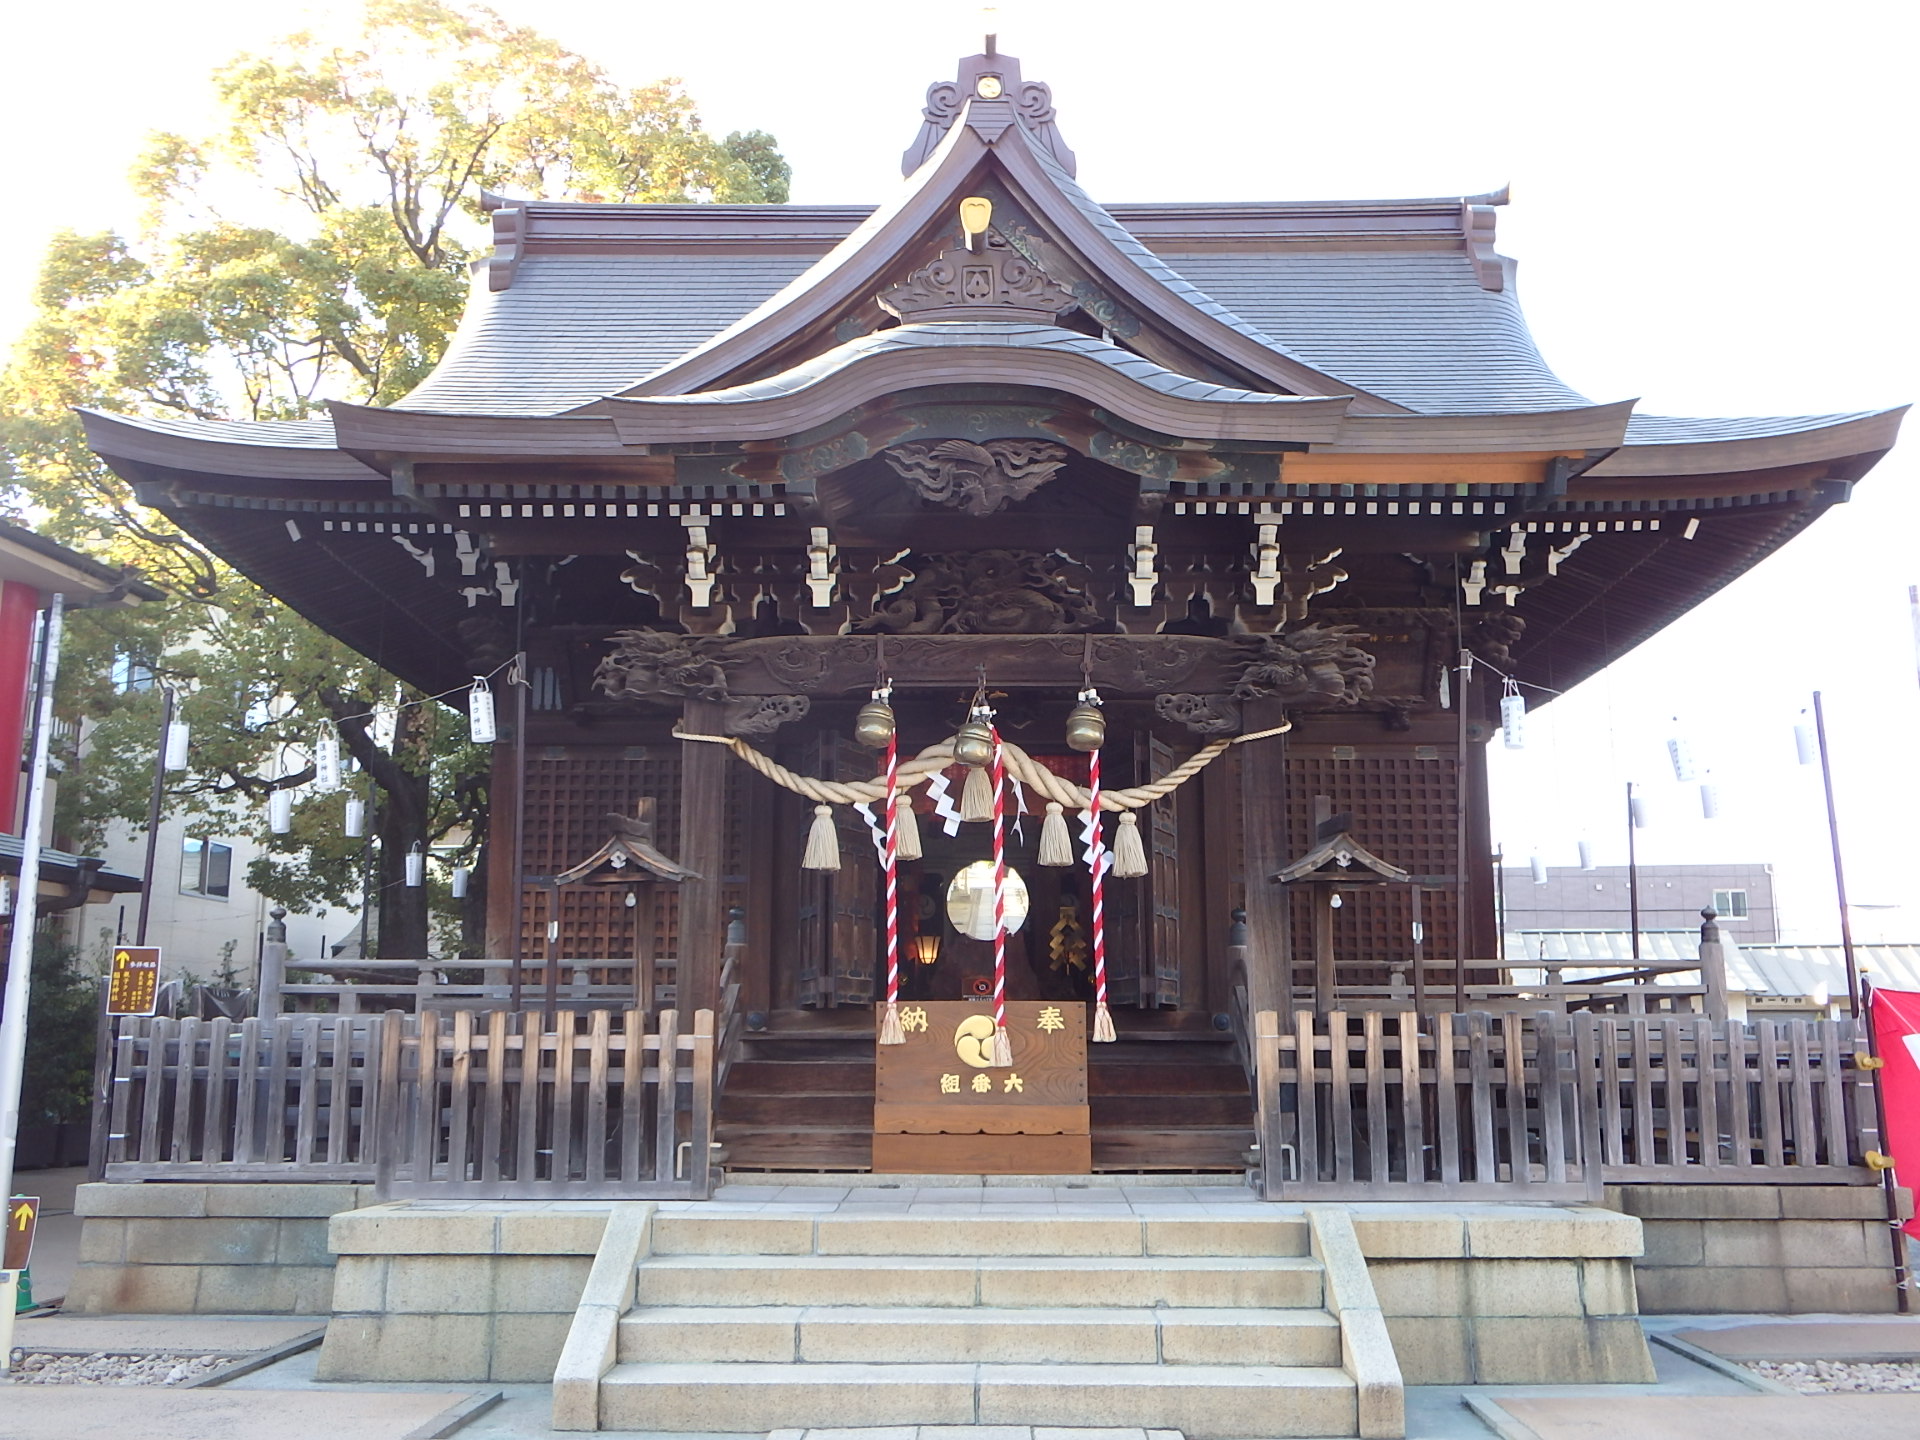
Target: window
[130, 674]
[206, 868]
[1732, 904]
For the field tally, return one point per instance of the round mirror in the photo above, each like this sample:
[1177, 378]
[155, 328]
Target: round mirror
[970, 901]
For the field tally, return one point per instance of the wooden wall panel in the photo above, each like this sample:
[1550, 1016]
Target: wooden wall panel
[1404, 809]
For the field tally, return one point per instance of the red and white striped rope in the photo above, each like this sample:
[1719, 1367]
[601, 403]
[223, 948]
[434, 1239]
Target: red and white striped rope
[999, 887]
[893, 871]
[1097, 864]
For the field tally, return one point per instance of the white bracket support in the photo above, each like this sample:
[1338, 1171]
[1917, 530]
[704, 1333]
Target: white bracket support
[1514, 552]
[1557, 553]
[701, 554]
[1266, 563]
[823, 571]
[1143, 554]
[425, 557]
[466, 552]
[504, 582]
[1476, 582]
[1512, 592]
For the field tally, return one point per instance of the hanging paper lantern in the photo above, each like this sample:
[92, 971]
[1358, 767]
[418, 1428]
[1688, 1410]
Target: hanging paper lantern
[355, 824]
[178, 737]
[326, 765]
[1709, 800]
[1537, 863]
[1806, 744]
[1513, 718]
[1586, 855]
[480, 713]
[1681, 754]
[1637, 810]
[416, 867]
[459, 885]
[280, 811]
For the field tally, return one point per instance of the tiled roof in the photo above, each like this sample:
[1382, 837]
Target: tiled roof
[1417, 328]
[1683, 430]
[575, 327]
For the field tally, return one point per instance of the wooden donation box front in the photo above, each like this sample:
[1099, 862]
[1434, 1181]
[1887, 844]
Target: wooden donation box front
[942, 1108]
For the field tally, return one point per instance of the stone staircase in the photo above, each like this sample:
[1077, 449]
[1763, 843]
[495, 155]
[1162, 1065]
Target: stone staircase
[1216, 1326]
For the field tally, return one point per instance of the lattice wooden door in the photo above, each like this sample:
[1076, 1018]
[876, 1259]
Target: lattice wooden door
[838, 934]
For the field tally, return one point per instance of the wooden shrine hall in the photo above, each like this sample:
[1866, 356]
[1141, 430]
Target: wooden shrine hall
[1273, 500]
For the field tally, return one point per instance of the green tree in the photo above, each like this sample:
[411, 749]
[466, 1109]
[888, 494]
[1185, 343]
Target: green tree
[314, 247]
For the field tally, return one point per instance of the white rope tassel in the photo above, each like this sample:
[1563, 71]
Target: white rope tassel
[906, 830]
[1103, 1032]
[976, 796]
[1002, 1047]
[1129, 854]
[1056, 845]
[890, 1031]
[823, 842]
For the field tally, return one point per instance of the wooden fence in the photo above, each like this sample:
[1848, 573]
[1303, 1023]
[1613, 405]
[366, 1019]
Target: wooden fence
[1552, 1106]
[480, 1106]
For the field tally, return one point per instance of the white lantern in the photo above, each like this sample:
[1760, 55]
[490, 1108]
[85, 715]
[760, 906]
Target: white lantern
[280, 811]
[356, 822]
[460, 873]
[1806, 744]
[480, 713]
[326, 765]
[1681, 754]
[178, 737]
[416, 867]
[1586, 855]
[1637, 810]
[1513, 718]
[1709, 800]
[1537, 863]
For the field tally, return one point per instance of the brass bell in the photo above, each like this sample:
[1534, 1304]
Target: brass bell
[1086, 727]
[974, 744]
[873, 726]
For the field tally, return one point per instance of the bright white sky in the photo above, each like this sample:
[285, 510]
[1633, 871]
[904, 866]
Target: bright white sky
[1714, 209]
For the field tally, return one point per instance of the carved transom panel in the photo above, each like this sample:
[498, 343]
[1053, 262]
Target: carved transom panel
[978, 479]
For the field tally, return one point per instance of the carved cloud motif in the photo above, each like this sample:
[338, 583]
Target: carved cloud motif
[978, 479]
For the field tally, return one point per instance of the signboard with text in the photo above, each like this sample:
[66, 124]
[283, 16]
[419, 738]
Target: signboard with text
[133, 983]
[942, 1107]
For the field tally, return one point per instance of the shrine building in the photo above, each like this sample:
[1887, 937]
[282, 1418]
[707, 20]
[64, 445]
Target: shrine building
[999, 685]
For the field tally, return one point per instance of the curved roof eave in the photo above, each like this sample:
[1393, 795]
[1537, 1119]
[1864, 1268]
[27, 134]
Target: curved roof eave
[859, 265]
[1660, 445]
[260, 450]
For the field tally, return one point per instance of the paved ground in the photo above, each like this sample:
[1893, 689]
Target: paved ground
[1855, 1337]
[1700, 1417]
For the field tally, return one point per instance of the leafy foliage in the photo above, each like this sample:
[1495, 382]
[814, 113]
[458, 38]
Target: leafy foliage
[57, 1084]
[315, 247]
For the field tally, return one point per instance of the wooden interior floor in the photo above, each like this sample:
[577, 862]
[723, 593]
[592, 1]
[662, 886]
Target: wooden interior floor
[801, 1098]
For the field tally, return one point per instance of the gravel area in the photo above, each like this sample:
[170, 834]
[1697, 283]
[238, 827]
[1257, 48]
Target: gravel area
[1841, 1377]
[106, 1369]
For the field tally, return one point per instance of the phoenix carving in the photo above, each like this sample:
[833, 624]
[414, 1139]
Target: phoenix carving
[978, 479]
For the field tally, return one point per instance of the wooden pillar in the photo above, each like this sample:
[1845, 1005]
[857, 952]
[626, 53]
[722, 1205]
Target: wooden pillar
[1263, 829]
[505, 903]
[1326, 979]
[703, 775]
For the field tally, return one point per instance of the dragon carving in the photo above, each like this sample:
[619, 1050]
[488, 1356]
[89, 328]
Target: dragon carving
[978, 479]
[1309, 664]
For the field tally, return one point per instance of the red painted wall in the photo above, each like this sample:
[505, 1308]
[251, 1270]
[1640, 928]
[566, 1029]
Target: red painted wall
[18, 605]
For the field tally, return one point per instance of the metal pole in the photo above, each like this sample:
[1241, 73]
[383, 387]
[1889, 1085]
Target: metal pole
[13, 1019]
[1633, 877]
[1839, 870]
[1460, 833]
[153, 816]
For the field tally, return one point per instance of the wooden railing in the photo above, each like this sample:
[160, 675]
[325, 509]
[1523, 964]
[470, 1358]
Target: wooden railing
[608, 1103]
[1552, 1106]
[423, 984]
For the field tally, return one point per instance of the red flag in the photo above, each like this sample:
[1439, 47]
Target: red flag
[1896, 1034]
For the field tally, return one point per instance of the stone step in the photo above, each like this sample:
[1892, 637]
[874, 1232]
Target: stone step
[975, 1233]
[1207, 1402]
[829, 1334]
[1006, 1281]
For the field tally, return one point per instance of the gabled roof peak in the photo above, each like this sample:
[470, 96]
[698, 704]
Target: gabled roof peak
[989, 88]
